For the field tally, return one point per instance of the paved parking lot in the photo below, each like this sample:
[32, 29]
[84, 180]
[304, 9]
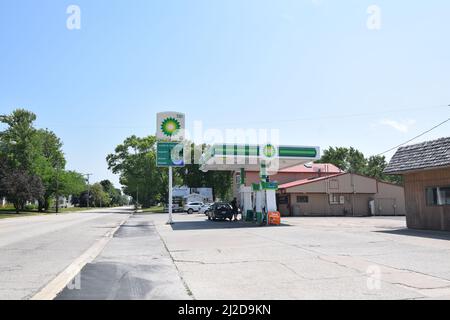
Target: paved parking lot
[308, 258]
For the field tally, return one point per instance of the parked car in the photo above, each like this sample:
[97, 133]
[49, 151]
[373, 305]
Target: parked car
[205, 209]
[192, 207]
[175, 208]
[220, 210]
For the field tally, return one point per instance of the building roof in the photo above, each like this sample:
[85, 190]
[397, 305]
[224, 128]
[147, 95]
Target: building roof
[307, 181]
[426, 155]
[312, 168]
[315, 167]
[193, 195]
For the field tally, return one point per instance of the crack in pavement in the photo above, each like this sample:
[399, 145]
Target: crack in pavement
[322, 257]
[183, 281]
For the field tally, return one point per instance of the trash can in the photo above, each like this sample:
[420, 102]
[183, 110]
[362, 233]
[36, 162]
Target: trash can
[274, 218]
[259, 217]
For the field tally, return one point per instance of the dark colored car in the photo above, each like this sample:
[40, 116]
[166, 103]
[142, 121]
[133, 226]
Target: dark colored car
[220, 210]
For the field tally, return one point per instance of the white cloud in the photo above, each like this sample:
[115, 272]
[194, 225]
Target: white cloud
[403, 126]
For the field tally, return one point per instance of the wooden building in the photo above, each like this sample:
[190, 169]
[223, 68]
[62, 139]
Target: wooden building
[426, 171]
[342, 194]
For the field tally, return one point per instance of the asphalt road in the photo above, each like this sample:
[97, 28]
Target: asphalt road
[135, 265]
[34, 250]
[305, 258]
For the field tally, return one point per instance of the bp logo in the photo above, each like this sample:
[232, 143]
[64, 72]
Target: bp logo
[170, 126]
[269, 151]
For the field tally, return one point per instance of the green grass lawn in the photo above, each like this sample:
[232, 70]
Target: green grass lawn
[11, 212]
[155, 209]
[74, 209]
[4, 214]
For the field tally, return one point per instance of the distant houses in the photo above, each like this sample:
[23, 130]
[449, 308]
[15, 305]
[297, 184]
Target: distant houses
[65, 202]
[426, 171]
[187, 194]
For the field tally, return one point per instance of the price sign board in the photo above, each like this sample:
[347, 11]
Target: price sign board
[170, 154]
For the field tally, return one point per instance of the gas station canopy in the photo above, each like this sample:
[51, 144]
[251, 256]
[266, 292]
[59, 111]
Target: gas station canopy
[233, 157]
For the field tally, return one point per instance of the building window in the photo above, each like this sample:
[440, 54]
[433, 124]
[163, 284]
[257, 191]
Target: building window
[337, 199]
[438, 196]
[302, 199]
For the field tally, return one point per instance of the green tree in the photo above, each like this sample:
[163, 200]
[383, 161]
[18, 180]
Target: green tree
[375, 167]
[354, 161]
[115, 195]
[19, 187]
[135, 161]
[49, 165]
[17, 139]
[346, 159]
[99, 197]
[71, 183]
[36, 153]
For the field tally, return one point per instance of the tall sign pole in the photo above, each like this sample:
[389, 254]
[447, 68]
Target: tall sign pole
[170, 196]
[170, 128]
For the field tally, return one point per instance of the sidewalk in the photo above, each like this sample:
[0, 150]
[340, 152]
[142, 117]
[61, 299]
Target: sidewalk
[135, 265]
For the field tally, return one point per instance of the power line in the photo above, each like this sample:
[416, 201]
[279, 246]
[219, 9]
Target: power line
[332, 116]
[246, 123]
[420, 135]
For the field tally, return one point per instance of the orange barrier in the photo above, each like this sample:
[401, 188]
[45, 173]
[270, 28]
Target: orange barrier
[274, 218]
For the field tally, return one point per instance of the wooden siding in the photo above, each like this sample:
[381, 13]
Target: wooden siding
[419, 215]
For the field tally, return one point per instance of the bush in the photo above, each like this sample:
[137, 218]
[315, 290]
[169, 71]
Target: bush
[30, 207]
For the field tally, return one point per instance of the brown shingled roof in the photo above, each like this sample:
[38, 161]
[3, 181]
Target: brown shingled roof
[426, 155]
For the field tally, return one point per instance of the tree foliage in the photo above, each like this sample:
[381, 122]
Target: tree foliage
[116, 198]
[135, 161]
[17, 139]
[19, 187]
[354, 161]
[49, 164]
[99, 197]
[32, 165]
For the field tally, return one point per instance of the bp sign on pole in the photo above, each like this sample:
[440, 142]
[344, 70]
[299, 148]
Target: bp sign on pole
[170, 126]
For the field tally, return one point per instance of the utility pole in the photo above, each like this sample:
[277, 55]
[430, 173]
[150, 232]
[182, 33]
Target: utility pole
[57, 190]
[137, 197]
[58, 169]
[88, 175]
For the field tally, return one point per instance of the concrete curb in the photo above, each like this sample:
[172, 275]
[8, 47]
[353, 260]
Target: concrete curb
[54, 287]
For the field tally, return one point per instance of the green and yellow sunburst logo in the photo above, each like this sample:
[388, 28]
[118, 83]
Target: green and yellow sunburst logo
[170, 126]
[269, 151]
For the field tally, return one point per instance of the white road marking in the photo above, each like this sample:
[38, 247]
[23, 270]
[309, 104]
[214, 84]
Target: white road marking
[52, 289]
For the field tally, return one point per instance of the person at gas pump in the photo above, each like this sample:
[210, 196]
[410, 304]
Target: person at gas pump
[235, 209]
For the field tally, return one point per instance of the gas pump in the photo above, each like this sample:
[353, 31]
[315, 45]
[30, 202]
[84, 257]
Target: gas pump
[259, 205]
[272, 215]
[246, 203]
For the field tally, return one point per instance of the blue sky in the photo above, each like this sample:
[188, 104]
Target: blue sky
[310, 68]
